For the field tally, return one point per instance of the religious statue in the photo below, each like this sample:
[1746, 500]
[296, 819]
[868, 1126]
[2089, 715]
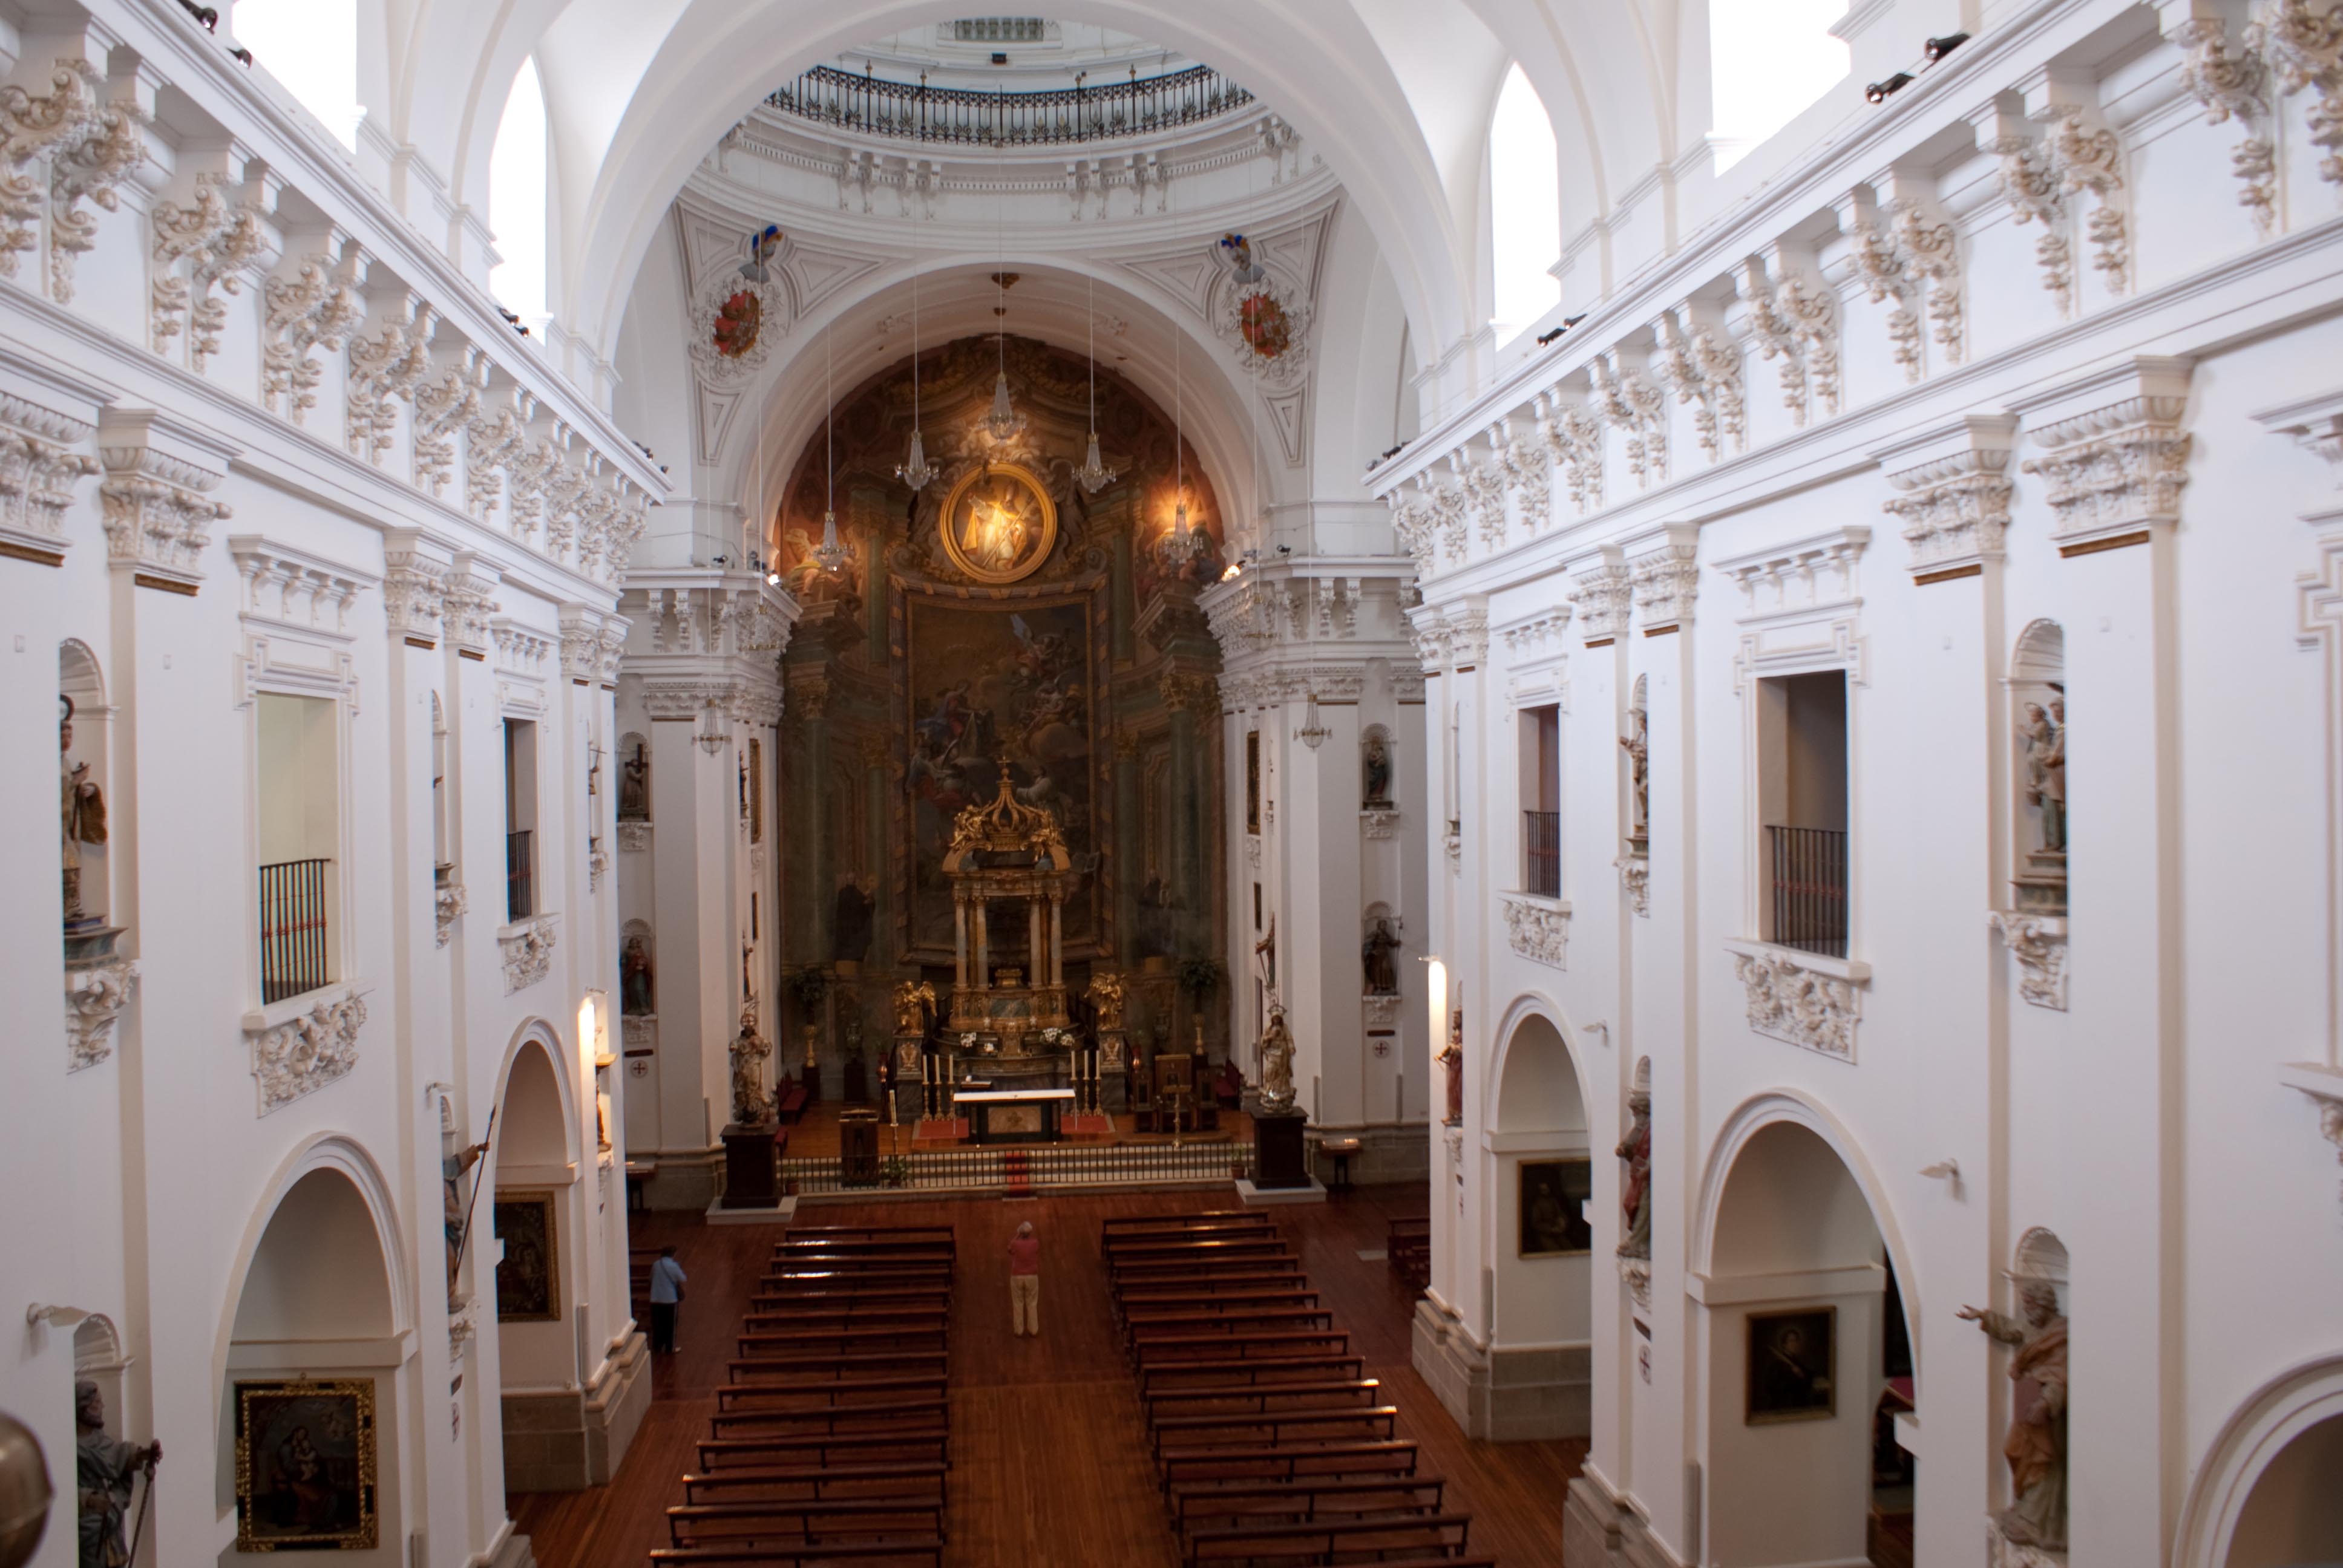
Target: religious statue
[1637, 744]
[1277, 1063]
[1378, 771]
[1264, 952]
[751, 1107]
[636, 998]
[2037, 1444]
[103, 1469]
[82, 816]
[635, 785]
[1635, 1188]
[2045, 735]
[1375, 959]
[1452, 1059]
[851, 930]
[914, 1001]
[453, 1214]
[1105, 997]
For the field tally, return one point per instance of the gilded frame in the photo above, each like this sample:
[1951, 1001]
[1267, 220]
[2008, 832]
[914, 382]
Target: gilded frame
[1028, 563]
[527, 1303]
[359, 1533]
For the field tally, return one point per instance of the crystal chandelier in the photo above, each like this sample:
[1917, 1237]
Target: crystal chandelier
[915, 470]
[829, 554]
[1177, 548]
[1002, 422]
[1094, 476]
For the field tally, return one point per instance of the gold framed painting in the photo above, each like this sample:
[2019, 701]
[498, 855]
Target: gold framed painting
[1792, 1360]
[305, 1465]
[1553, 1194]
[999, 522]
[529, 1276]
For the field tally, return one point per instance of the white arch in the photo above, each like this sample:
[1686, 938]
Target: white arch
[2255, 1433]
[1532, 1004]
[1772, 1107]
[346, 1157]
[538, 1032]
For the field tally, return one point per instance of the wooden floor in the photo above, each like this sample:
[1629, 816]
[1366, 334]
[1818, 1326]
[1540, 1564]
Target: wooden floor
[1048, 1465]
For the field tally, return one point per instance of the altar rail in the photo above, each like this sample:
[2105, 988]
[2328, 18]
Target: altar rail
[982, 1170]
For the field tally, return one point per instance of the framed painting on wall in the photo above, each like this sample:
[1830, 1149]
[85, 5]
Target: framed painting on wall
[305, 1465]
[528, 1275]
[1552, 1208]
[1791, 1359]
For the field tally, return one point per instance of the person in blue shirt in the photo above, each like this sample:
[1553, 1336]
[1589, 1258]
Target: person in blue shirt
[667, 1294]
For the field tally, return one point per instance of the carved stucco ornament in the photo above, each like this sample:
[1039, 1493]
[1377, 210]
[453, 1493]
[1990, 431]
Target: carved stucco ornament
[1798, 1000]
[308, 1051]
[2038, 943]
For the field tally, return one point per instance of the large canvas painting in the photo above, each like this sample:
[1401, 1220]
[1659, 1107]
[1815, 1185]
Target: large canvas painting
[305, 1466]
[1791, 1357]
[1553, 1197]
[526, 1278]
[989, 686]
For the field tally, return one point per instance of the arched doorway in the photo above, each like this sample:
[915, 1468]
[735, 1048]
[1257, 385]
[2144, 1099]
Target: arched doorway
[2265, 1494]
[1806, 1362]
[312, 1398]
[534, 1254]
[1541, 1172]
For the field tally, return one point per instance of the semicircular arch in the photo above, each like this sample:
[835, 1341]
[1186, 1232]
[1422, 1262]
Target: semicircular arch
[1542, 1019]
[2257, 1433]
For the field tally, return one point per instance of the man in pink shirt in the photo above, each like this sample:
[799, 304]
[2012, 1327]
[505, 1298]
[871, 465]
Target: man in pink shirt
[1025, 1281]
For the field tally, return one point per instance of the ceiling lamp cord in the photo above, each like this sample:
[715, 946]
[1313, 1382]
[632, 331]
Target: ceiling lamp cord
[1002, 422]
[915, 470]
[830, 554]
[1094, 476]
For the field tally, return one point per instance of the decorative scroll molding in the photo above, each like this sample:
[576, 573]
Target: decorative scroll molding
[1795, 322]
[1381, 1012]
[2305, 50]
[1665, 582]
[528, 948]
[1378, 824]
[2324, 1087]
[1573, 444]
[1801, 579]
[1411, 525]
[1632, 405]
[1635, 880]
[1600, 599]
[158, 521]
[30, 126]
[1483, 482]
[466, 609]
[1953, 493]
[1528, 467]
[92, 167]
[217, 241]
[37, 475]
[1802, 999]
[314, 305]
[2114, 454]
[291, 587]
[97, 990]
[443, 407]
[2232, 84]
[385, 370]
[1703, 369]
[1538, 928]
[2087, 157]
[2030, 187]
[414, 589]
[1911, 263]
[2038, 943]
[715, 367]
[634, 837]
[447, 904]
[308, 1051]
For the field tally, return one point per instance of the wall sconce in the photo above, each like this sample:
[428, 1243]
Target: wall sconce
[1312, 734]
[713, 736]
[593, 768]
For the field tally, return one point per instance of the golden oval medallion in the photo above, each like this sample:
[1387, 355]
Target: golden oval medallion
[999, 522]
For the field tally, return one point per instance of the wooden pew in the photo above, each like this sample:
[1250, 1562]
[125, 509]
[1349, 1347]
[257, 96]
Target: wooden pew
[1250, 1347]
[840, 1314]
[838, 1420]
[1261, 1399]
[812, 1342]
[1219, 1227]
[1298, 1501]
[925, 1234]
[908, 1445]
[1276, 1293]
[879, 1553]
[866, 1250]
[1195, 1249]
[1233, 1275]
[1185, 1433]
[1142, 1329]
[1432, 1537]
[836, 1394]
[771, 1519]
[1233, 1373]
[1213, 1466]
[1125, 1224]
[799, 1292]
[830, 1366]
[817, 1481]
[854, 1272]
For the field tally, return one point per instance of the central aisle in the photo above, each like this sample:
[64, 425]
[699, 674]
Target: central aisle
[1049, 1463]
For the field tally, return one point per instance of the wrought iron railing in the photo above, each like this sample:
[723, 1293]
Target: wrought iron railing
[876, 106]
[521, 879]
[1809, 887]
[1542, 853]
[294, 951]
[980, 1170]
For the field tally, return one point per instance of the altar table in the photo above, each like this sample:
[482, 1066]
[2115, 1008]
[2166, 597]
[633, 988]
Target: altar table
[1014, 1115]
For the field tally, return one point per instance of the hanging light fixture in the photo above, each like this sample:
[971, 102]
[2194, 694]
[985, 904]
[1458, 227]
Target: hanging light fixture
[830, 553]
[915, 470]
[1312, 734]
[1094, 476]
[1178, 546]
[1002, 422]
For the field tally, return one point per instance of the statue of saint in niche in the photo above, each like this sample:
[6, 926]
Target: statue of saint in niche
[2045, 735]
[2037, 1444]
[1377, 766]
[636, 996]
[1375, 958]
[1277, 1063]
[1452, 1059]
[635, 785]
[82, 816]
[1635, 1188]
[1637, 744]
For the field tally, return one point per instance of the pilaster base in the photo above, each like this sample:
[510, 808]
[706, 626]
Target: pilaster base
[1590, 1520]
[1387, 1152]
[686, 1180]
[567, 1441]
[512, 1551]
[1501, 1396]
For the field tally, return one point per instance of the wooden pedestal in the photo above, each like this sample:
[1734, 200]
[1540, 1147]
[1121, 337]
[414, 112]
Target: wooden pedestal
[751, 1171]
[1277, 1154]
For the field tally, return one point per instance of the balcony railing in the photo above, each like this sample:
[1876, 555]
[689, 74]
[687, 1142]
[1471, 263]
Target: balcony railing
[294, 950]
[520, 881]
[1542, 853]
[1061, 1167]
[876, 106]
[1809, 883]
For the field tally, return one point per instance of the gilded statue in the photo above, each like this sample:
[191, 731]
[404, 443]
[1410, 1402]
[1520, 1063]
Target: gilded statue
[751, 1107]
[915, 1001]
[1277, 1063]
[1635, 1181]
[2037, 1444]
[81, 815]
[1105, 997]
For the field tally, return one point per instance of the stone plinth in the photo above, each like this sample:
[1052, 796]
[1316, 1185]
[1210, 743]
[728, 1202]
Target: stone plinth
[1278, 1158]
[751, 1174]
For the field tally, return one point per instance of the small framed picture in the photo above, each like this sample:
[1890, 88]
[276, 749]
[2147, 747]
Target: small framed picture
[1554, 1208]
[528, 1279]
[305, 1466]
[1791, 1366]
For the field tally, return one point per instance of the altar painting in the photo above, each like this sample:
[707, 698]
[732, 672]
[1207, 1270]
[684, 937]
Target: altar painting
[994, 683]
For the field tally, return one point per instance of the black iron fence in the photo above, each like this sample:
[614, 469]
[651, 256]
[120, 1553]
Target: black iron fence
[1542, 853]
[1043, 1166]
[1809, 881]
[293, 928]
[879, 107]
[521, 879]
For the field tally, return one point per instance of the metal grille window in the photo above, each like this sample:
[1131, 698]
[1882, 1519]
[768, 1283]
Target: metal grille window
[1542, 852]
[878, 107]
[293, 928]
[520, 890]
[520, 818]
[1809, 888]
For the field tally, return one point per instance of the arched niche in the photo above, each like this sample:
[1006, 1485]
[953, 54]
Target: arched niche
[317, 1334]
[1378, 769]
[1541, 1178]
[81, 682]
[1794, 1284]
[534, 1132]
[637, 970]
[99, 1359]
[442, 853]
[533, 1221]
[2264, 1494]
[2040, 1259]
[2037, 755]
[634, 777]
